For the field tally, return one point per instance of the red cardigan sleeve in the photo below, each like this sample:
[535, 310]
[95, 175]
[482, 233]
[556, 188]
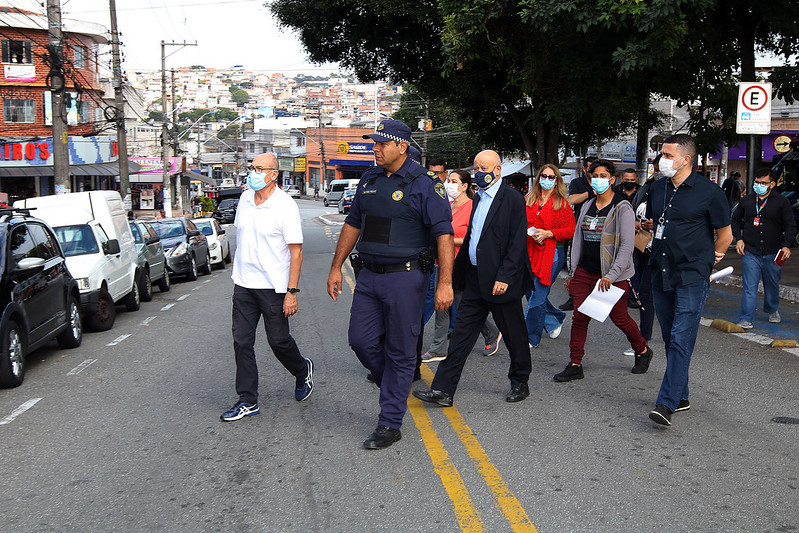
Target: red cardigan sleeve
[563, 223]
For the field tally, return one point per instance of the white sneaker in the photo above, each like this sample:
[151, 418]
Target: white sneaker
[774, 317]
[746, 325]
[555, 332]
[629, 351]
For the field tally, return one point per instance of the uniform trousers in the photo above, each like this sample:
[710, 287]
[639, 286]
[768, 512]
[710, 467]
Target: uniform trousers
[472, 313]
[248, 307]
[385, 323]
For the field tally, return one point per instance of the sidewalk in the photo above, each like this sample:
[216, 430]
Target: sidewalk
[789, 283]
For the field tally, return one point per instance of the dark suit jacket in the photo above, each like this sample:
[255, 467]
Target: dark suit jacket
[502, 250]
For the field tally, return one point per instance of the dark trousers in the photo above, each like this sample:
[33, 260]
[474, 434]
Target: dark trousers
[385, 323]
[248, 307]
[646, 315]
[580, 287]
[472, 313]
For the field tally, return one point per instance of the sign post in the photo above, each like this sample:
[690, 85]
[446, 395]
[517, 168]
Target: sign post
[753, 118]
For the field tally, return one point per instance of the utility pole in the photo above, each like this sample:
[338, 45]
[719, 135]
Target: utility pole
[119, 116]
[57, 85]
[323, 178]
[167, 182]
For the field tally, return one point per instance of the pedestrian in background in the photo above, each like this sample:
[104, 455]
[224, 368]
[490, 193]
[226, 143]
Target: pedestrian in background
[460, 193]
[763, 226]
[602, 255]
[495, 270]
[550, 223]
[686, 209]
[266, 273]
[398, 208]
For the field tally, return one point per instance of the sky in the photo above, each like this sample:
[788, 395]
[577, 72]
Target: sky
[227, 33]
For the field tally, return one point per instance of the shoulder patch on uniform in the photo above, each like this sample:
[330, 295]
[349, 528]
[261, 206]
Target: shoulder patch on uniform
[441, 190]
[396, 196]
[431, 173]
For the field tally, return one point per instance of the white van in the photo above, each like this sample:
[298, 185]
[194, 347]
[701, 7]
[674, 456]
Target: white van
[336, 190]
[94, 233]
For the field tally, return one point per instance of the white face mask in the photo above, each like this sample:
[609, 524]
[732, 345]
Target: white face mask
[667, 167]
[452, 190]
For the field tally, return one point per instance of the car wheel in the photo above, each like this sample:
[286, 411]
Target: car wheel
[106, 313]
[221, 264]
[164, 284]
[206, 269]
[191, 275]
[227, 257]
[146, 287]
[73, 335]
[133, 301]
[325, 202]
[12, 352]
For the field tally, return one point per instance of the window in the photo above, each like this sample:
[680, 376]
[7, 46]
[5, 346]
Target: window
[17, 51]
[46, 246]
[18, 110]
[76, 240]
[134, 229]
[79, 54]
[22, 244]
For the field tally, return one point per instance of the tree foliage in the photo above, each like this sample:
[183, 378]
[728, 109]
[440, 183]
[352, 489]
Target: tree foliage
[239, 95]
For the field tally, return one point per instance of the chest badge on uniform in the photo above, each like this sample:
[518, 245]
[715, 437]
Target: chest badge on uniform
[396, 196]
[442, 192]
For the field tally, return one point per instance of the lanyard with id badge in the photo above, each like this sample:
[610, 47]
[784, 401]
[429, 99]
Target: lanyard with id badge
[758, 208]
[662, 219]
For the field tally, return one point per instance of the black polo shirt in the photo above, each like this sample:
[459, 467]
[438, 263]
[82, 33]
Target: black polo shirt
[685, 254]
[580, 185]
[776, 229]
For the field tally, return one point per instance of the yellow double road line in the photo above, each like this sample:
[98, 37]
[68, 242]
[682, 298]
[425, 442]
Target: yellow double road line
[465, 512]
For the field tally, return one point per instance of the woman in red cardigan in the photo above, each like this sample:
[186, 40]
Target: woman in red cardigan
[550, 223]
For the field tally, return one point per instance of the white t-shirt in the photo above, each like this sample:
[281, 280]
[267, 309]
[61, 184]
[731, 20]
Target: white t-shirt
[263, 234]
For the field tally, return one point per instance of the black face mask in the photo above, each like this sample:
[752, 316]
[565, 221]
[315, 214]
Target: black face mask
[629, 185]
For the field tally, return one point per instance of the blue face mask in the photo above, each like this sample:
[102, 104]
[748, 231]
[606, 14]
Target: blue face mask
[760, 189]
[256, 180]
[547, 184]
[600, 185]
[483, 179]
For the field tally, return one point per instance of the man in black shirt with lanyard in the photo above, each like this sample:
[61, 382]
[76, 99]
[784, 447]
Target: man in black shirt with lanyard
[763, 226]
[686, 208]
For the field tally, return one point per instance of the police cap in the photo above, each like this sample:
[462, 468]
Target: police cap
[391, 130]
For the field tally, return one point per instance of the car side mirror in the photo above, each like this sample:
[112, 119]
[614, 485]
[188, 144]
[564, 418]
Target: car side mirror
[29, 266]
[111, 247]
[152, 240]
[220, 232]
[194, 232]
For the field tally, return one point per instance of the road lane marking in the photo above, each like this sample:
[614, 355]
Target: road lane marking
[183, 297]
[196, 289]
[349, 276]
[118, 340]
[465, 511]
[19, 410]
[146, 321]
[207, 281]
[504, 499]
[81, 367]
[167, 307]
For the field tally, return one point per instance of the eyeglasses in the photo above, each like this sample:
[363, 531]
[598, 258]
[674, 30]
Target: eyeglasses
[548, 176]
[441, 172]
[263, 169]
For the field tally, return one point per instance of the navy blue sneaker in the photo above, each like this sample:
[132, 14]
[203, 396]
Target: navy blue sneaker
[304, 386]
[240, 410]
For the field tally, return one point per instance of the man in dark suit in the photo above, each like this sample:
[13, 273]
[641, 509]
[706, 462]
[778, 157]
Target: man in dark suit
[494, 269]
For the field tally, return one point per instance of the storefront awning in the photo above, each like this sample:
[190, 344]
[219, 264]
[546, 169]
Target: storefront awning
[202, 177]
[95, 169]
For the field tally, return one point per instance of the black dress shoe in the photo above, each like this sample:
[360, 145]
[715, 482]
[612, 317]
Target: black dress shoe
[568, 305]
[382, 437]
[434, 396]
[518, 393]
[370, 378]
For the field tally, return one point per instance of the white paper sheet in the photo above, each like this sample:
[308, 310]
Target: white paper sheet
[599, 304]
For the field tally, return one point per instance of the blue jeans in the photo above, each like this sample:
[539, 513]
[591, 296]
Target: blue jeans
[540, 312]
[678, 312]
[755, 267]
[430, 299]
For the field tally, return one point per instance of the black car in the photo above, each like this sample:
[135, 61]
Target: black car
[225, 212]
[185, 247]
[346, 201]
[39, 298]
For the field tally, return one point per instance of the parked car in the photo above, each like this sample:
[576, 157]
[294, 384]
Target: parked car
[217, 240]
[292, 190]
[151, 260]
[336, 190]
[40, 299]
[185, 247]
[225, 212]
[346, 201]
[93, 231]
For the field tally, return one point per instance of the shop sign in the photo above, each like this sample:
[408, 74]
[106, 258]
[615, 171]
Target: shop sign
[285, 163]
[155, 165]
[354, 148]
[299, 164]
[19, 72]
[81, 150]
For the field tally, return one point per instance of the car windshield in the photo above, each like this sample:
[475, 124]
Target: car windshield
[136, 234]
[227, 204]
[77, 240]
[349, 193]
[165, 230]
[204, 226]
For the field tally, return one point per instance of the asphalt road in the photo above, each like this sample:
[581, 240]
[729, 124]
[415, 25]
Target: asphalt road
[125, 434]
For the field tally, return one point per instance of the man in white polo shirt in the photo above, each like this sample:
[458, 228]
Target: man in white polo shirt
[266, 272]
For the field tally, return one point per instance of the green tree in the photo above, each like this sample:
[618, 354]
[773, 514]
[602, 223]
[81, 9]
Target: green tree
[225, 114]
[239, 96]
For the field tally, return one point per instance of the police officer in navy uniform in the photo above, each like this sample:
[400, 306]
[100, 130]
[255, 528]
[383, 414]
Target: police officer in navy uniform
[399, 208]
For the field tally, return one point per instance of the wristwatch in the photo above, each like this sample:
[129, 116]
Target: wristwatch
[293, 290]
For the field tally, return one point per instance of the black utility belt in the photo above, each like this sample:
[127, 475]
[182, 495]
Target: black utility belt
[407, 266]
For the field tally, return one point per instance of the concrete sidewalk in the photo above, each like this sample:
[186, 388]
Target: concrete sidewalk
[789, 283]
